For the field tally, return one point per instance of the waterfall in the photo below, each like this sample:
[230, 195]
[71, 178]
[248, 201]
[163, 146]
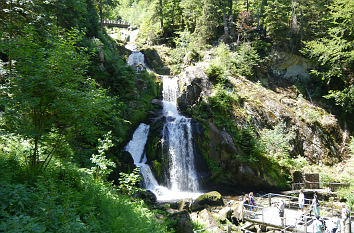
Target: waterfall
[136, 148]
[176, 142]
[177, 139]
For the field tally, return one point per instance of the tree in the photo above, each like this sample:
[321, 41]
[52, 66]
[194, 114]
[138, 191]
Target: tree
[334, 54]
[48, 92]
[276, 20]
[209, 21]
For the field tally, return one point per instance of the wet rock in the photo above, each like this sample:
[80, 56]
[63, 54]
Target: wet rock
[206, 218]
[157, 102]
[194, 86]
[206, 200]
[148, 196]
[183, 224]
[185, 204]
[225, 213]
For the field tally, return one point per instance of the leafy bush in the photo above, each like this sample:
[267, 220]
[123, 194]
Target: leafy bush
[65, 199]
[244, 60]
[129, 183]
[276, 143]
[102, 164]
[215, 73]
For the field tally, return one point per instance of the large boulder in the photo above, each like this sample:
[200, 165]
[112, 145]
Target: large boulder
[206, 200]
[185, 204]
[225, 213]
[206, 218]
[183, 222]
[149, 196]
[194, 85]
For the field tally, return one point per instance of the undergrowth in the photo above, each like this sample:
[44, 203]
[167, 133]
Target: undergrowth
[65, 198]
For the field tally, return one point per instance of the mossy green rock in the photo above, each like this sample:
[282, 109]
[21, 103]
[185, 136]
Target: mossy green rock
[206, 200]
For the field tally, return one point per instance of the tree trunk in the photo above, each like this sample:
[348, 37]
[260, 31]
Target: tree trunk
[161, 16]
[232, 27]
[226, 28]
[34, 159]
[9, 50]
[247, 5]
[101, 13]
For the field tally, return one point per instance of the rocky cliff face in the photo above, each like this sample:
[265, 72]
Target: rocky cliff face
[318, 135]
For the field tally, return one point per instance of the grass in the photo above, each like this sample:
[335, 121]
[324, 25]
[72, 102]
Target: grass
[66, 199]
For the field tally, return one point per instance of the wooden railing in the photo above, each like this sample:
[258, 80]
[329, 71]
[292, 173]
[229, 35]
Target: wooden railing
[116, 23]
[319, 185]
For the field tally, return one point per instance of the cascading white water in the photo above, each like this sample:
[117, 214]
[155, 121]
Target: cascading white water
[136, 148]
[177, 137]
[136, 58]
[177, 140]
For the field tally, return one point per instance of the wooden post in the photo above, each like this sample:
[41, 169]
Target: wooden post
[305, 224]
[228, 229]
[270, 199]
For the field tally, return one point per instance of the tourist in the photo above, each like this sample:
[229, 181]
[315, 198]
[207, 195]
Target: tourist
[334, 224]
[301, 202]
[318, 225]
[315, 205]
[345, 216]
[281, 209]
[245, 203]
[251, 201]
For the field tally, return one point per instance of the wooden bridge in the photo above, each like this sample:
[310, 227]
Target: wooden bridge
[115, 23]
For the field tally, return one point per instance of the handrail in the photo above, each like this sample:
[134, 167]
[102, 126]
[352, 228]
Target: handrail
[331, 185]
[306, 199]
[228, 225]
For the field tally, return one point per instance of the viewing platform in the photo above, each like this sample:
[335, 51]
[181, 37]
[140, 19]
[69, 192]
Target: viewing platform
[266, 213]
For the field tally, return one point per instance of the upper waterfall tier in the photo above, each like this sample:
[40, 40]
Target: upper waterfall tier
[177, 141]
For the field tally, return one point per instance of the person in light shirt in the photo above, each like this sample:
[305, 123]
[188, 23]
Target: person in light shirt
[345, 216]
[301, 202]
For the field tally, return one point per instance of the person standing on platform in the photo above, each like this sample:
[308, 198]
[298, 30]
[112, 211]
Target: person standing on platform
[301, 202]
[315, 205]
[281, 209]
[345, 216]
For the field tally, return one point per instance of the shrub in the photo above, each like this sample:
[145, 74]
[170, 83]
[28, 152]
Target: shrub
[215, 73]
[244, 60]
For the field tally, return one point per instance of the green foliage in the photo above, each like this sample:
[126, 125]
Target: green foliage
[208, 21]
[277, 140]
[277, 143]
[333, 54]
[348, 195]
[244, 60]
[198, 226]
[64, 199]
[129, 183]
[276, 19]
[67, 98]
[102, 164]
[343, 98]
[215, 73]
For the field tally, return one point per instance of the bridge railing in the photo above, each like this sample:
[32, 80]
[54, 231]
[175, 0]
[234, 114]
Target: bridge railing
[330, 208]
[318, 185]
[115, 22]
[228, 230]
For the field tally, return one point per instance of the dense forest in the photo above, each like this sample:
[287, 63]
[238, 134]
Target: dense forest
[69, 103]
